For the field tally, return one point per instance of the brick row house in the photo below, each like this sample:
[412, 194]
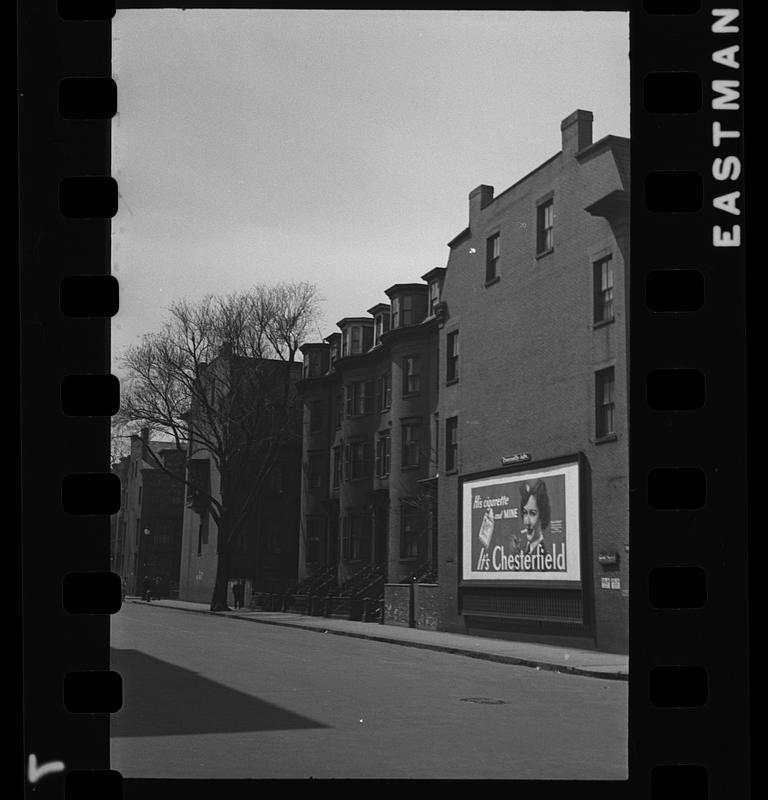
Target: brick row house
[476, 425]
[146, 538]
[369, 440]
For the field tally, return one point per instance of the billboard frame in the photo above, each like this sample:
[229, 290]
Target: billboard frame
[584, 583]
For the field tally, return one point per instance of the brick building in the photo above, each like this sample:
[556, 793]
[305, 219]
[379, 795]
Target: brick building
[536, 300]
[265, 553]
[478, 423]
[147, 529]
[370, 395]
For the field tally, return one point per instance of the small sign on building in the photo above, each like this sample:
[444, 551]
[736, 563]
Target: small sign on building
[517, 458]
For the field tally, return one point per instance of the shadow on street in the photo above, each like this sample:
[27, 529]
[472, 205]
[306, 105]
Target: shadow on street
[161, 699]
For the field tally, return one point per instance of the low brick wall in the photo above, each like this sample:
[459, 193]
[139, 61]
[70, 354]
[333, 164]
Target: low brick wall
[426, 605]
[297, 603]
[397, 604]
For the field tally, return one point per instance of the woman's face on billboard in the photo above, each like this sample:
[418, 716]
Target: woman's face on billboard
[531, 518]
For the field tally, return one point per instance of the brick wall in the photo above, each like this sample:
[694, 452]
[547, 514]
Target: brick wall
[528, 355]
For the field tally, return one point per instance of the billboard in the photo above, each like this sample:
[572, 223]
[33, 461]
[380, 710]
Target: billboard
[522, 526]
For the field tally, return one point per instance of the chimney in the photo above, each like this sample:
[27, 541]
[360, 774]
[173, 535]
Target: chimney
[144, 443]
[479, 199]
[225, 351]
[577, 131]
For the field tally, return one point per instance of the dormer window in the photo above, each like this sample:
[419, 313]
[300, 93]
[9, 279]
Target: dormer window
[408, 318]
[396, 312]
[334, 352]
[434, 297]
[403, 311]
[356, 339]
[382, 326]
[312, 364]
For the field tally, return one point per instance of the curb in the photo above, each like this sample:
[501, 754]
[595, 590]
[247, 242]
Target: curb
[514, 660]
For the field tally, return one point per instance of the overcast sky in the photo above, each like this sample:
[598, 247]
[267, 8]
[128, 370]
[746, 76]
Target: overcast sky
[339, 147]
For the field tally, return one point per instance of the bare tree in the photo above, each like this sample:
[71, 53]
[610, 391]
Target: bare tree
[217, 381]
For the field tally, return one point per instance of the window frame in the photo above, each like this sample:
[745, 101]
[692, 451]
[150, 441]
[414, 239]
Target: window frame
[411, 376]
[452, 357]
[545, 234]
[433, 297]
[492, 256]
[605, 412]
[383, 466]
[357, 460]
[409, 538]
[408, 442]
[599, 301]
[394, 313]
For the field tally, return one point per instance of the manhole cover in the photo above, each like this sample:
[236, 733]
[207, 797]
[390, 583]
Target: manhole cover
[486, 700]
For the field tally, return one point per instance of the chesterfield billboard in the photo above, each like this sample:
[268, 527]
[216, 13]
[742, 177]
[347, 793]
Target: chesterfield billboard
[522, 526]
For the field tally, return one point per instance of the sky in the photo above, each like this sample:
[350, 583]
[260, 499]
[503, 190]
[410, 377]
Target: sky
[336, 147]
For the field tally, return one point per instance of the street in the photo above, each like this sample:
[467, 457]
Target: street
[216, 697]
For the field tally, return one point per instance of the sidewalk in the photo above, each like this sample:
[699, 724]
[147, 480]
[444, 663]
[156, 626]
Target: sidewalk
[591, 663]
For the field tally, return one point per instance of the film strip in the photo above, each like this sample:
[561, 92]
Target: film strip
[689, 686]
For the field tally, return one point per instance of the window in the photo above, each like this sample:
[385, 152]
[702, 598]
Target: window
[383, 454]
[434, 297]
[315, 415]
[356, 344]
[409, 530]
[408, 315]
[334, 352]
[314, 538]
[315, 472]
[604, 403]
[492, 253]
[359, 398]
[411, 383]
[357, 460]
[396, 312]
[452, 357]
[451, 443]
[336, 466]
[382, 326]
[352, 530]
[312, 364]
[603, 289]
[384, 391]
[544, 224]
[411, 444]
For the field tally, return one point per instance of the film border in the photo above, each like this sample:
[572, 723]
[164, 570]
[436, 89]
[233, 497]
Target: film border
[678, 741]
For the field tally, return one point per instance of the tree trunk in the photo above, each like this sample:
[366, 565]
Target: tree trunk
[219, 598]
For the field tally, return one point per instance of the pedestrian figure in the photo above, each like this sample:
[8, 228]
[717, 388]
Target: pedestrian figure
[146, 587]
[157, 584]
[238, 590]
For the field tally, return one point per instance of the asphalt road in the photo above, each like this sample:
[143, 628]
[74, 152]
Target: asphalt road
[215, 697]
